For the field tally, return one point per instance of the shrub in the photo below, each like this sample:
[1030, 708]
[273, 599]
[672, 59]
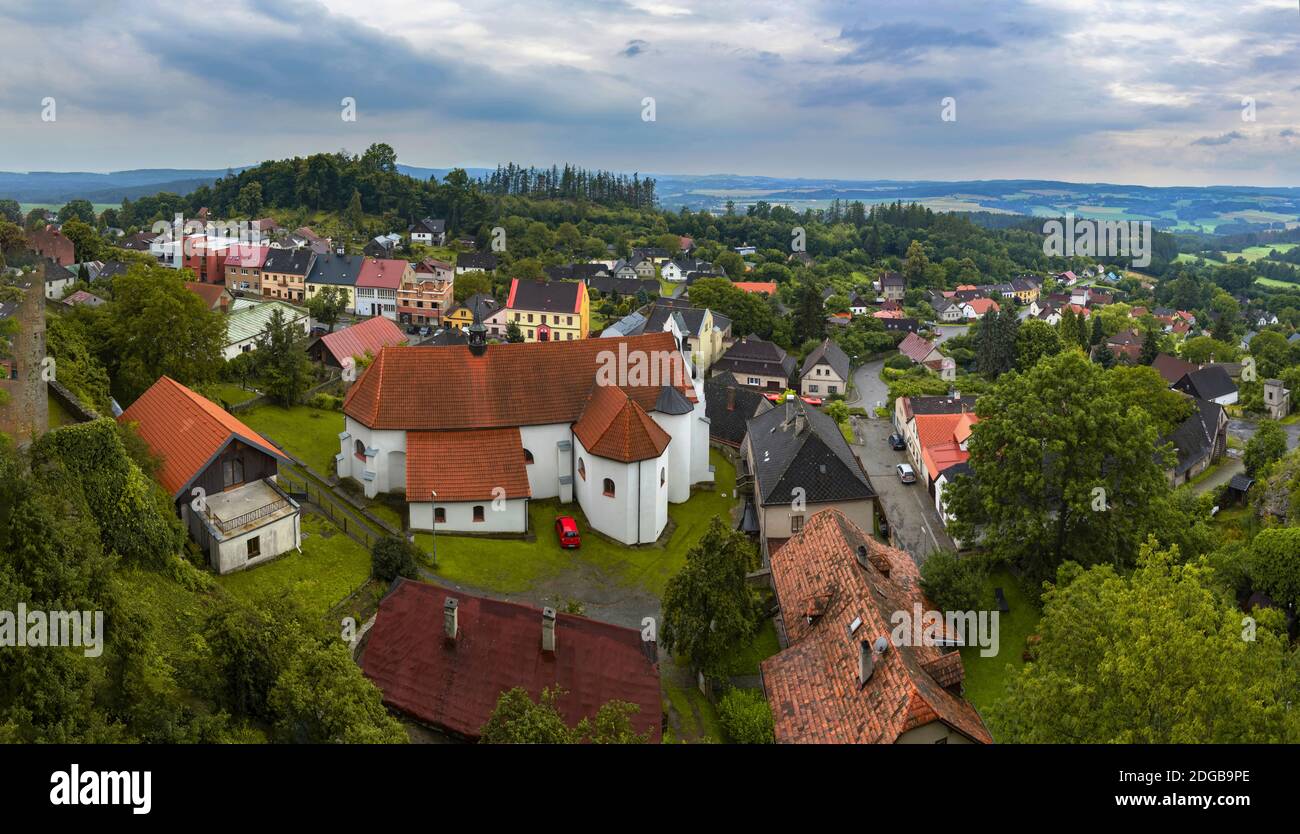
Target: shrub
[898, 362]
[746, 717]
[392, 557]
[326, 402]
[952, 582]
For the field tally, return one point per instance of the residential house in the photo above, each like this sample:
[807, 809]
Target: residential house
[941, 484]
[334, 269]
[677, 270]
[472, 433]
[859, 304]
[825, 371]
[1171, 368]
[248, 320]
[920, 351]
[707, 333]
[800, 464]
[907, 409]
[58, 279]
[424, 295]
[1211, 382]
[51, 243]
[938, 441]
[461, 316]
[625, 287]
[244, 264]
[949, 311]
[284, 274]
[215, 296]
[549, 311]
[304, 237]
[429, 231]
[206, 255]
[624, 269]
[842, 679]
[383, 247]
[475, 262]
[1026, 289]
[901, 325]
[378, 283]
[81, 298]
[729, 407]
[355, 342]
[578, 272]
[643, 266]
[220, 474]
[138, 242]
[1198, 441]
[767, 288]
[1127, 345]
[892, 286]
[976, 307]
[444, 658]
[757, 363]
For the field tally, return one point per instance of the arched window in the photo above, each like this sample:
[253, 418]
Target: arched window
[360, 450]
[478, 512]
[440, 515]
[663, 475]
[609, 487]
[582, 469]
[528, 456]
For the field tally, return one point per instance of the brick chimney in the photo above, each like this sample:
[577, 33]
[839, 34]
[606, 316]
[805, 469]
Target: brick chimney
[548, 629]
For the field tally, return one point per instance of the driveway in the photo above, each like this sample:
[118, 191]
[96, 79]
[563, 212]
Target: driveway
[944, 332]
[1243, 428]
[868, 388]
[913, 521]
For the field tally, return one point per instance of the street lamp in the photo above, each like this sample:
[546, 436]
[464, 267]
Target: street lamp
[433, 523]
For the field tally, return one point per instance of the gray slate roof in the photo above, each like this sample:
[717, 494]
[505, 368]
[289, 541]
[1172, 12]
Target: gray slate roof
[830, 354]
[815, 457]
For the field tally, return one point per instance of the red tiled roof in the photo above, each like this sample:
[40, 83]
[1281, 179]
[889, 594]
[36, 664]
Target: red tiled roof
[454, 685]
[384, 273]
[616, 428]
[247, 255]
[523, 384]
[212, 294]
[983, 305]
[813, 686]
[370, 335]
[186, 431]
[452, 463]
[764, 287]
[915, 348]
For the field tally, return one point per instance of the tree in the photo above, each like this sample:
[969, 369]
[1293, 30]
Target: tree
[746, 717]
[354, 215]
[1271, 352]
[249, 202]
[915, 265]
[1142, 386]
[328, 305]
[392, 557]
[513, 334]
[1034, 341]
[709, 609]
[518, 719]
[1063, 467]
[809, 314]
[149, 301]
[953, 582]
[1202, 349]
[1211, 686]
[78, 209]
[996, 343]
[1274, 568]
[1150, 347]
[84, 239]
[286, 370]
[1267, 445]
[320, 697]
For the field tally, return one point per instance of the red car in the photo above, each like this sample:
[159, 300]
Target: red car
[812, 400]
[566, 530]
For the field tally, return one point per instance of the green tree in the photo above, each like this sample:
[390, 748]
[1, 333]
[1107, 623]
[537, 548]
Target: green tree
[1274, 568]
[328, 305]
[249, 202]
[1035, 339]
[954, 582]
[1150, 347]
[518, 719]
[85, 239]
[746, 717]
[1211, 685]
[286, 370]
[915, 265]
[709, 609]
[78, 209]
[392, 557]
[1266, 445]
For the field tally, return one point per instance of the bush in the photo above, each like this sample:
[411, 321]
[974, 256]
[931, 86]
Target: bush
[952, 582]
[326, 402]
[746, 717]
[898, 362]
[392, 557]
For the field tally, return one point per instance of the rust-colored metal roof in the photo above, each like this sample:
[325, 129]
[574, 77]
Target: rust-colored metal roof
[453, 685]
[371, 335]
[186, 431]
[525, 384]
[465, 465]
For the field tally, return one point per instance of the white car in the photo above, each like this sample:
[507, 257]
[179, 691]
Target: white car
[906, 474]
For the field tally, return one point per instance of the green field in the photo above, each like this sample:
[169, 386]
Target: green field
[1276, 284]
[309, 434]
[987, 677]
[1258, 253]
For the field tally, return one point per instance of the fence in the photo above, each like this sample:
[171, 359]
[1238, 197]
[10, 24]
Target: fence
[335, 509]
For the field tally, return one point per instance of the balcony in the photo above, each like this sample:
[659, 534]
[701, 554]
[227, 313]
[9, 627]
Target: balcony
[253, 505]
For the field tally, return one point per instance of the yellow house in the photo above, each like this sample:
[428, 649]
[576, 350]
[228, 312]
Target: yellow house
[334, 270]
[1024, 291]
[461, 315]
[284, 274]
[551, 311]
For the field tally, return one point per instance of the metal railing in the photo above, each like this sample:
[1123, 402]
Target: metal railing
[225, 526]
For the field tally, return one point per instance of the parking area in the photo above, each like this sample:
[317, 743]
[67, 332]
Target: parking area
[909, 508]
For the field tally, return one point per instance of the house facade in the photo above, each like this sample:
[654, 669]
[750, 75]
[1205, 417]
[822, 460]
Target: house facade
[471, 433]
[757, 363]
[378, 284]
[423, 296]
[549, 311]
[284, 274]
[429, 231]
[825, 371]
[334, 269]
[249, 319]
[244, 264]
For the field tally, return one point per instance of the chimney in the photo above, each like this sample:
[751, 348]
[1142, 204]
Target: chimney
[800, 419]
[548, 629]
[866, 662]
[731, 399]
[450, 621]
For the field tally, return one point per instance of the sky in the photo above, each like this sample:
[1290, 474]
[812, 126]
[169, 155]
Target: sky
[1145, 92]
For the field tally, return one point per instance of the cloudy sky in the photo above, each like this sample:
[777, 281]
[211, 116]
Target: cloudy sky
[1146, 91]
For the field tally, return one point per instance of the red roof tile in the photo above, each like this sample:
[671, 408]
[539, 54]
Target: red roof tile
[764, 287]
[247, 255]
[813, 685]
[186, 431]
[452, 464]
[616, 428]
[454, 685]
[371, 335]
[915, 348]
[524, 384]
[383, 273]
[213, 295]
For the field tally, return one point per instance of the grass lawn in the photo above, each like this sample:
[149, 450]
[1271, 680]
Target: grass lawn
[512, 566]
[307, 433]
[330, 567]
[231, 393]
[987, 677]
[764, 645]
[697, 719]
[1276, 284]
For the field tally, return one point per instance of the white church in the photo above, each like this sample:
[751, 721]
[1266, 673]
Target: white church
[470, 433]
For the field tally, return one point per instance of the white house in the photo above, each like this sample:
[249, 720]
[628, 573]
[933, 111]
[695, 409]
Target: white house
[249, 319]
[429, 231]
[470, 433]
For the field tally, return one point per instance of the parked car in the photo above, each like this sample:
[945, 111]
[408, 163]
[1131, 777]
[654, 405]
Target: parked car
[906, 474]
[566, 530]
[812, 400]
[424, 331]
[896, 442]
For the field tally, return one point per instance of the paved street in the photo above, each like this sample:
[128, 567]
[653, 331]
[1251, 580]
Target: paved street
[868, 389]
[909, 508]
[1243, 428]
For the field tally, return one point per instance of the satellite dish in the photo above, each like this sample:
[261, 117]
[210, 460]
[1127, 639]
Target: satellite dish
[881, 645]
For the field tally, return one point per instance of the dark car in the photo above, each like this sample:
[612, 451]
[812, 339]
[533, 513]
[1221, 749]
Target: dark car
[896, 442]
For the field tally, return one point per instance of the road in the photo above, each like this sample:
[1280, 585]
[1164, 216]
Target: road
[868, 389]
[909, 508]
[1243, 428]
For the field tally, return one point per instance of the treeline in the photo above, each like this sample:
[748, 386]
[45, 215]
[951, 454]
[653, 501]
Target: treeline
[570, 183]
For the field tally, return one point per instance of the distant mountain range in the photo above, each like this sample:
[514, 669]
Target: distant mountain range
[1217, 209]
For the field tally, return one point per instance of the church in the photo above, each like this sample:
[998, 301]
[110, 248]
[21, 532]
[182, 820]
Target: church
[471, 433]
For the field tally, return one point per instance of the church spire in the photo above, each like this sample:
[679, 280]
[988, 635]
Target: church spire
[477, 332]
